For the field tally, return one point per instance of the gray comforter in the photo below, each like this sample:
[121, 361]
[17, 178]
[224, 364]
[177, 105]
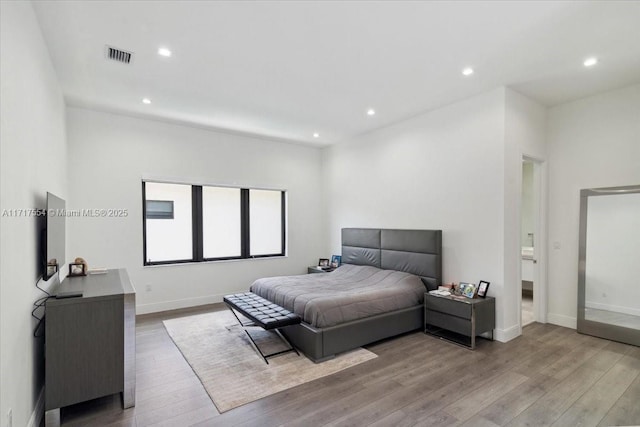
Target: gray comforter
[350, 292]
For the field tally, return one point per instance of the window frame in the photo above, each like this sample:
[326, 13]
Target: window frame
[283, 222]
[197, 225]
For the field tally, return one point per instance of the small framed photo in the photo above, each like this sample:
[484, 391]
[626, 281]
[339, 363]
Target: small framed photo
[323, 262]
[460, 288]
[52, 268]
[483, 287]
[336, 260]
[468, 289]
[77, 269]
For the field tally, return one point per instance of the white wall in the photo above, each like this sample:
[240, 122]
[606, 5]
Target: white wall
[440, 170]
[110, 154]
[33, 155]
[593, 142]
[458, 169]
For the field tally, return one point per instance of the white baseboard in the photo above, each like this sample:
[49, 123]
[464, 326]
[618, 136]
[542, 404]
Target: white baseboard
[176, 304]
[38, 412]
[562, 320]
[504, 335]
[616, 308]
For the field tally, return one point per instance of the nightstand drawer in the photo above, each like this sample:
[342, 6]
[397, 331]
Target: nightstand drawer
[451, 323]
[452, 307]
[450, 318]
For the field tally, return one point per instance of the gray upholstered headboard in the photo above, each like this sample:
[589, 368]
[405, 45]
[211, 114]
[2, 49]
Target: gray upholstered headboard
[417, 252]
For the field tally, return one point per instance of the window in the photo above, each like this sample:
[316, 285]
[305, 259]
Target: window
[169, 239]
[194, 223]
[265, 222]
[221, 222]
[159, 209]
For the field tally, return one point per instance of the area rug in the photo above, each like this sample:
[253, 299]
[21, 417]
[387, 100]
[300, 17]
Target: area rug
[232, 372]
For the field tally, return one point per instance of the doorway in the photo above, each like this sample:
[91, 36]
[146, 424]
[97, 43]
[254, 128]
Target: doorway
[532, 242]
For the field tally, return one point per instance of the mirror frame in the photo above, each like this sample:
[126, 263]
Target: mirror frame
[591, 327]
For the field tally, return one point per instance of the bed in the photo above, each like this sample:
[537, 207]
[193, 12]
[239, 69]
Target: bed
[377, 293]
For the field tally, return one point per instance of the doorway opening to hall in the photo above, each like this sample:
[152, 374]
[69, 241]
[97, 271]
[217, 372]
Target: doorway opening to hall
[528, 242]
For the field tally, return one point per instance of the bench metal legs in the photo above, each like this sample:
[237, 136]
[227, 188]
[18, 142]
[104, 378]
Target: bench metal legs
[247, 325]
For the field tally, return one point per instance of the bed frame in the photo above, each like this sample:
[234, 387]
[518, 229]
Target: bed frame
[417, 252]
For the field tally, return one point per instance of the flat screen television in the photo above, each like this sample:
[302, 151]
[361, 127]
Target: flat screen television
[53, 237]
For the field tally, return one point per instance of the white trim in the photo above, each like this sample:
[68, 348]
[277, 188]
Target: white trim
[177, 304]
[562, 320]
[616, 308]
[38, 412]
[541, 286]
[505, 335]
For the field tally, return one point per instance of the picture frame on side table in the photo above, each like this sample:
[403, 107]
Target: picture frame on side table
[336, 260]
[468, 289]
[77, 269]
[323, 262]
[460, 288]
[52, 267]
[483, 288]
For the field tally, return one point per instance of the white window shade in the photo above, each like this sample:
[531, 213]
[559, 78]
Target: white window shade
[169, 239]
[221, 222]
[265, 222]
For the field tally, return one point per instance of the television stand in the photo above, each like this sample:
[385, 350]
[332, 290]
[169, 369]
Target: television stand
[90, 342]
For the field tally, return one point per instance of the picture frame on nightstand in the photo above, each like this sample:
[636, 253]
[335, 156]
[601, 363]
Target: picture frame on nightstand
[323, 262]
[483, 288]
[336, 260]
[467, 289]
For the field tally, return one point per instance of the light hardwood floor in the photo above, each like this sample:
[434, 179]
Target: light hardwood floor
[549, 376]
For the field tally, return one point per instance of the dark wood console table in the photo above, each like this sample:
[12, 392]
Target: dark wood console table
[90, 342]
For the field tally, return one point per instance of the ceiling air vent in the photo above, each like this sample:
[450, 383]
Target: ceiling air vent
[119, 55]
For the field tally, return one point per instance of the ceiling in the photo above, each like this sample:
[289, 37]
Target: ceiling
[286, 70]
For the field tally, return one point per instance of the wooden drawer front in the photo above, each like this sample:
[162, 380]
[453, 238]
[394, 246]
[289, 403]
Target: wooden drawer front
[84, 351]
[450, 323]
[455, 308]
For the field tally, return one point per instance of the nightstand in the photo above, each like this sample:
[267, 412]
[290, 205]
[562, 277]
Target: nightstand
[316, 269]
[459, 320]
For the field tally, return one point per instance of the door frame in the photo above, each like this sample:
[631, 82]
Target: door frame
[540, 242]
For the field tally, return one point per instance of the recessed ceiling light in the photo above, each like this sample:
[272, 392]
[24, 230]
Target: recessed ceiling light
[316, 135]
[590, 62]
[146, 101]
[371, 112]
[163, 51]
[467, 71]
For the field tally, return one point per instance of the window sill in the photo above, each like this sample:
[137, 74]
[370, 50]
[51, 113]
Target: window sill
[182, 264]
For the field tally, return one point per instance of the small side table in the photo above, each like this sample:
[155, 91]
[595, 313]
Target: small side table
[459, 320]
[316, 269]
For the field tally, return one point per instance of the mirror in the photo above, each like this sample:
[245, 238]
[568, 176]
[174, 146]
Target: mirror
[609, 267]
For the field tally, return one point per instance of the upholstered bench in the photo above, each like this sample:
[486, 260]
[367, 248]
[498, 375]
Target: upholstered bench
[264, 314]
